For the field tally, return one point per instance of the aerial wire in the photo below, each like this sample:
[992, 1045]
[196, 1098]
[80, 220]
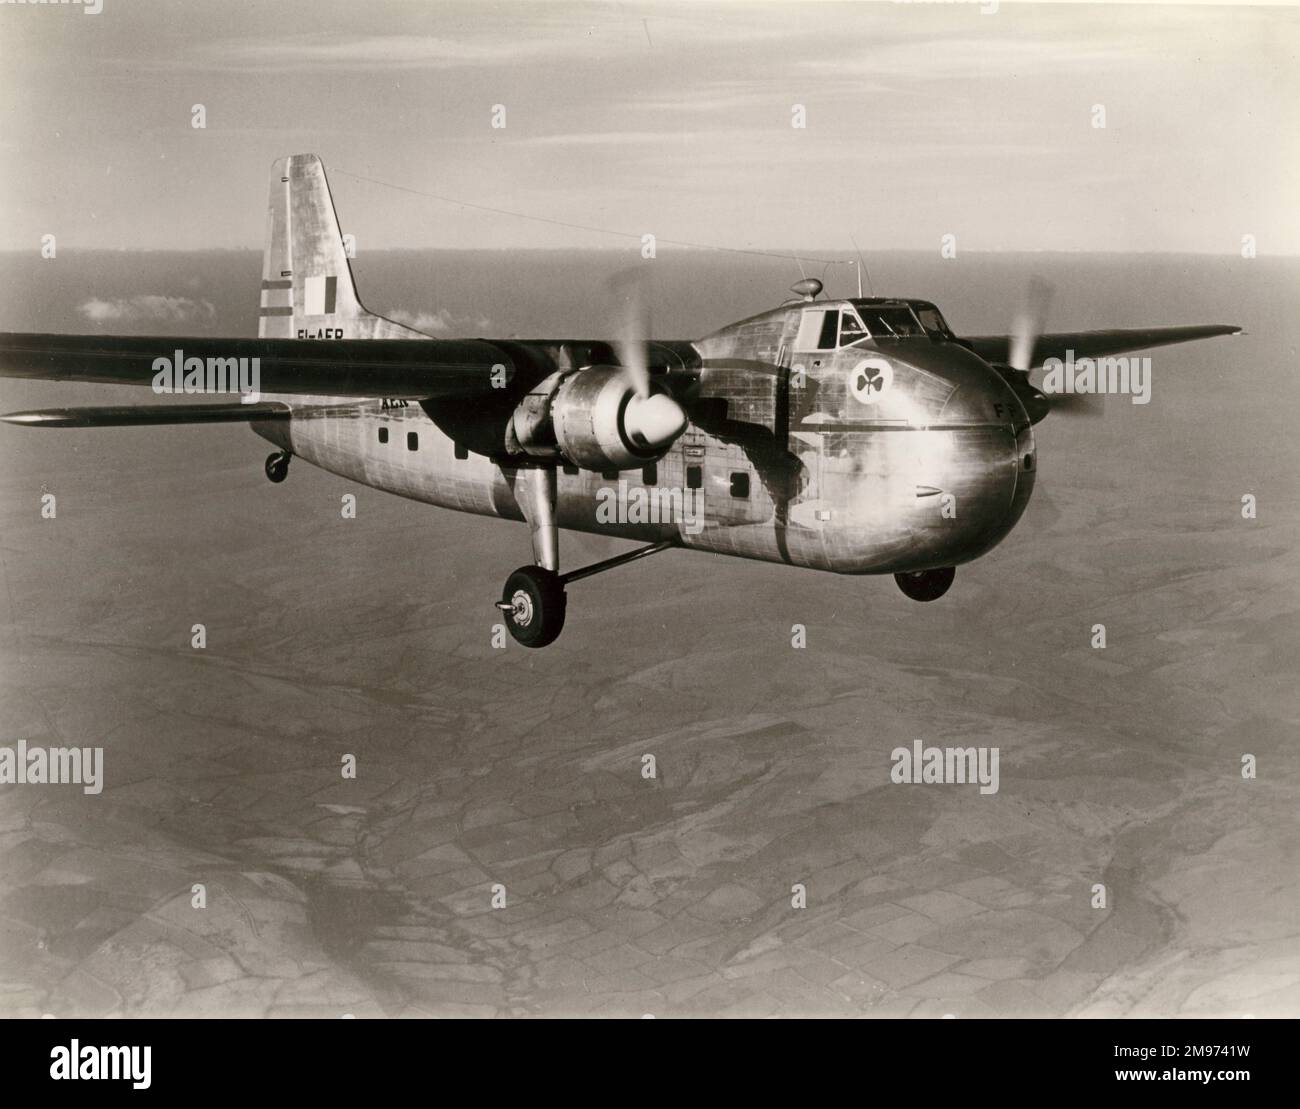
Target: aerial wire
[583, 226]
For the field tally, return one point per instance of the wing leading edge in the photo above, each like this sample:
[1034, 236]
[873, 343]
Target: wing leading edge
[410, 369]
[154, 415]
[1094, 344]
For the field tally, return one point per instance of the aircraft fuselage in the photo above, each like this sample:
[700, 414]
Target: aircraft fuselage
[876, 457]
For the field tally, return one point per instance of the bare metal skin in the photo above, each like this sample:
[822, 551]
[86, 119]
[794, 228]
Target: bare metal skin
[854, 436]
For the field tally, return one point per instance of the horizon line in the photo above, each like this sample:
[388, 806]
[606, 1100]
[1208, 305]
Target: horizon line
[775, 255]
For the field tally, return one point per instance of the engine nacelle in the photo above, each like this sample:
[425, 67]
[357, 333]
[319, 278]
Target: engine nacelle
[593, 418]
[1035, 403]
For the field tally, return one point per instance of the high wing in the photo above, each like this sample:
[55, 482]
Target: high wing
[413, 369]
[1093, 344]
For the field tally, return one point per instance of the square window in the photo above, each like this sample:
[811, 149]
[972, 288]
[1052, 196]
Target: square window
[383, 435]
[610, 475]
[810, 328]
[412, 441]
[572, 471]
[694, 477]
[740, 484]
[462, 451]
[650, 474]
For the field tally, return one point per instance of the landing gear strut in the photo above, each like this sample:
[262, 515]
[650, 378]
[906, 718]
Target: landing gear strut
[277, 466]
[926, 585]
[534, 599]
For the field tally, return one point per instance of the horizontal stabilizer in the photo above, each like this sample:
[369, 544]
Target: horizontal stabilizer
[134, 415]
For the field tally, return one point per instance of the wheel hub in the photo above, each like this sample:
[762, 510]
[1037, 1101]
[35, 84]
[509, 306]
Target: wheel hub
[521, 608]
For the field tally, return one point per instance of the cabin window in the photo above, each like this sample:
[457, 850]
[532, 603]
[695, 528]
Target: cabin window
[650, 474]
[383, 435]
[462, 451]
[412, 441]
[694, 477]
[740, 484]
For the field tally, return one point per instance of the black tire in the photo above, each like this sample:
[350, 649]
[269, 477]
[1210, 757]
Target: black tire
[537, 602]
[277, 466]
[926, 585]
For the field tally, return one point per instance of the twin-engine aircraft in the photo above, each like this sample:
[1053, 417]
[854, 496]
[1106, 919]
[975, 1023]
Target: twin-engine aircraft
[857, 436]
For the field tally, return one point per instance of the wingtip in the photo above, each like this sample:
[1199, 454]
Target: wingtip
[25, 419]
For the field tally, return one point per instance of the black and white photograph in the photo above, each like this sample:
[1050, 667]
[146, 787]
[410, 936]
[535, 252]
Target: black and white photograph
[649, 510]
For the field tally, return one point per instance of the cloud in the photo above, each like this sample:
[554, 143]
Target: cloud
[536, 34]
[440, 322]
[148, 307]
[618, 138]
[432, 322]
[374, 52]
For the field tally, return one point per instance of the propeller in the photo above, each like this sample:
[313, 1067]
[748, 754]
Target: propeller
[1029, 324]
[654, 421]
[634, 331]
[650, 419]
[1026, 329]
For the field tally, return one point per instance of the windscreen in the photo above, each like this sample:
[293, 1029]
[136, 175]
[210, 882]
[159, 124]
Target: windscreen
[890, 323]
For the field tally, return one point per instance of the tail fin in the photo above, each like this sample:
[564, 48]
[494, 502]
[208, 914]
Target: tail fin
[307, 287]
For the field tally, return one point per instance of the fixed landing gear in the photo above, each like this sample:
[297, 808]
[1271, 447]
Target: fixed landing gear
[533, 600]
[277, 466]
[926, 585]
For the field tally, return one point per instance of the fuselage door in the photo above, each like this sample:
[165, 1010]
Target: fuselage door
[816, 341]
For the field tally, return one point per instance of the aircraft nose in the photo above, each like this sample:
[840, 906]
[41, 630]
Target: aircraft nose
[987, 465]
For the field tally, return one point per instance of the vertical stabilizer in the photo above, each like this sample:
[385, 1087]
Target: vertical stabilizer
[307, 287]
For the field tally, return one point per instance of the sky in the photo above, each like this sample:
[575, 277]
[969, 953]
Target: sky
[922, 120]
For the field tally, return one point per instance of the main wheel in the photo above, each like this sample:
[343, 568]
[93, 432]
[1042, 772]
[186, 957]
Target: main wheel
[534, 602]
[277, 466]
[926, 585]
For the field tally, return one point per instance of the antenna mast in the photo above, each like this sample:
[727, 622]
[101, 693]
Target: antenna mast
[862, 265]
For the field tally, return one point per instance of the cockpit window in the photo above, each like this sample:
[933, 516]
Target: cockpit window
[851, 329]
[828, 328]
[933, 322]
[891, 323]
[830, 324]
